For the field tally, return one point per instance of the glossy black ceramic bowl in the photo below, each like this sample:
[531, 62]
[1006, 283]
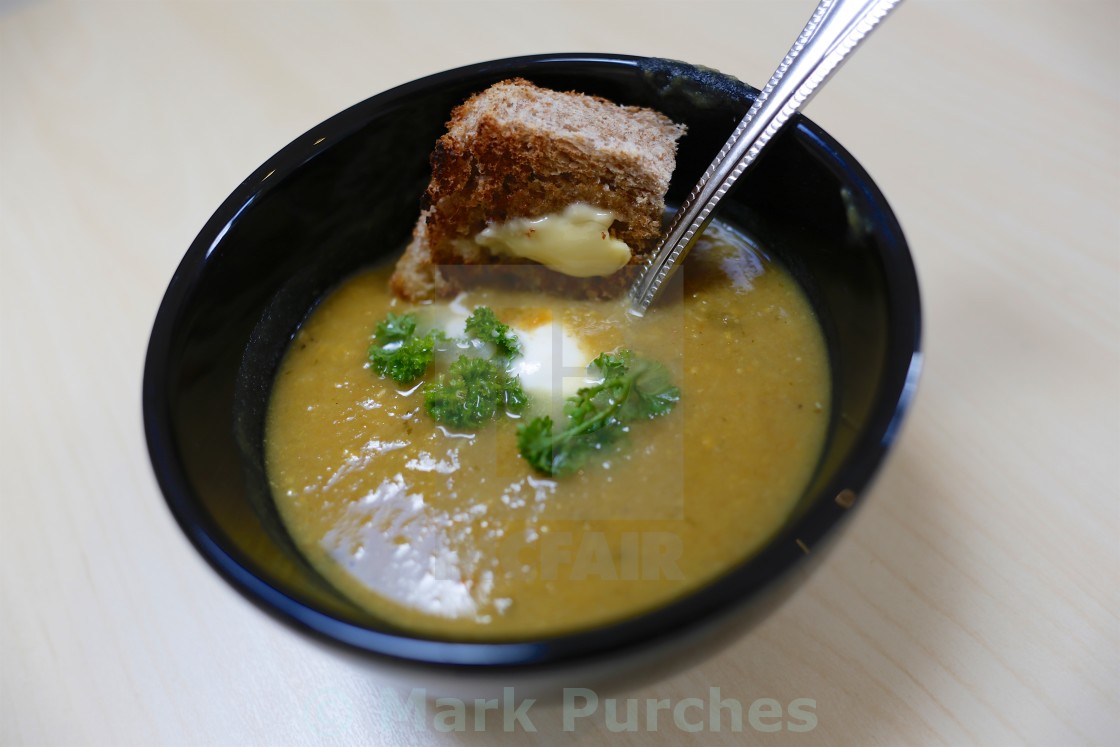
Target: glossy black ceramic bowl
[348, 191]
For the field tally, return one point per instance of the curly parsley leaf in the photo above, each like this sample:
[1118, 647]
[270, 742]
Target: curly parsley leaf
[472, 392]
[396, 328]
[632, 389]
[535, 441]
[398, 352]
[483, 325]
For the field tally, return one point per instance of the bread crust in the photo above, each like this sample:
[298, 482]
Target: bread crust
[519, 151]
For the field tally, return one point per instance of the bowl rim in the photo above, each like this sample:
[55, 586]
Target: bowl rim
[715, 599]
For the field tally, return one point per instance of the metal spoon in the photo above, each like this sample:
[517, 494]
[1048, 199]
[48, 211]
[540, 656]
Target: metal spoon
[833, 32]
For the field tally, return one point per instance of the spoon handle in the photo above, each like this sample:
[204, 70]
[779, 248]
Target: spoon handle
[834, 31]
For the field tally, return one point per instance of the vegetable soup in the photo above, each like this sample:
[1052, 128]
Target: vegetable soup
[479, 470]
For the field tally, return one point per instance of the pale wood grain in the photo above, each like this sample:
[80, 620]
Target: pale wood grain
[974, 599]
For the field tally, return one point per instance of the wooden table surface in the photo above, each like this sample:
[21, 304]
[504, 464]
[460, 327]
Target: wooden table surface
[974, 599]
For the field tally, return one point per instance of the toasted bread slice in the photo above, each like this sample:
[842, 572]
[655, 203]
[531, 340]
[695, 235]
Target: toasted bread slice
[519, 151]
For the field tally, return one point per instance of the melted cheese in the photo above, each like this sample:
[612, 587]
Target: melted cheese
[574, 242]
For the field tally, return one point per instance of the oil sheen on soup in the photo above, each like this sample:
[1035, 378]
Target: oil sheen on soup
[450, 533]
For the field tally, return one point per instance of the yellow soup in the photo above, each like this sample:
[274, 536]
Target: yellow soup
[451, 533]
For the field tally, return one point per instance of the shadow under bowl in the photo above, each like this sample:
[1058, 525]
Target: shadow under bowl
[347, 192]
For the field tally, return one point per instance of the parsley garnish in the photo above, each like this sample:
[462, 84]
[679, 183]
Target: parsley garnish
[632, 389]
[483, 325]
[472, 392]
[474, 389]
[398, 352]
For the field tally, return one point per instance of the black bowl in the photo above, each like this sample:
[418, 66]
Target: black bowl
[348, 192]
